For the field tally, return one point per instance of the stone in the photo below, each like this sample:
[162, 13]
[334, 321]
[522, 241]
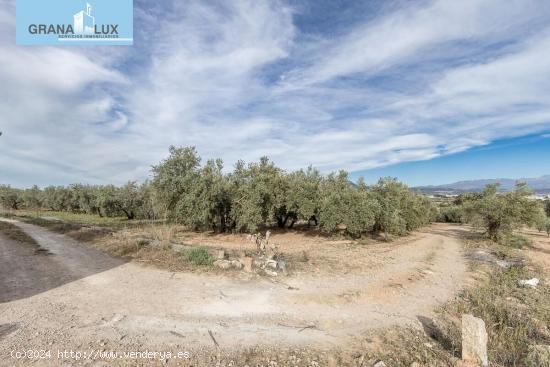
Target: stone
[474, 340]
[415, 364]
[281, 265]
[222, 264]
[271, 264]
[539, 355]
[380, 364]
[529, 283]
[247, 263]
[271, 273]
[221, 255]
[236, 264]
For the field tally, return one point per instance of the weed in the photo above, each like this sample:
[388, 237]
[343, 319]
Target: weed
[515, 240]
[164, 233]
[198, 256]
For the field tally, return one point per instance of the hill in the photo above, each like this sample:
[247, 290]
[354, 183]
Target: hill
[540, 185]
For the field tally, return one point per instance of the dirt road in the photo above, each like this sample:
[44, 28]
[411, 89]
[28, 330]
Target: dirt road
[78, 298]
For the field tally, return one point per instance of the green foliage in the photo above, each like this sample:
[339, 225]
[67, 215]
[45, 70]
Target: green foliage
[10, 198]
[173, 179]
[251, 197]
[546, 207]
[32, 198]
[260, 194]
[198, 256]
[400, 210]
[500, 213]
[451, 213]
[515, 240]
[130, 200]
[344, 206]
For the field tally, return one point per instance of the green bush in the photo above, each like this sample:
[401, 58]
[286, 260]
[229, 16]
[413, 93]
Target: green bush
[199, 256]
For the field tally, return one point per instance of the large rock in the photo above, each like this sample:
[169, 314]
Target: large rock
[474, 340]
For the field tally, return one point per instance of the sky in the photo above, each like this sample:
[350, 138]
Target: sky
[427, 91]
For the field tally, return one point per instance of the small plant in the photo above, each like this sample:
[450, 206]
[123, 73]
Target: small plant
[199, 256]
[517, 241]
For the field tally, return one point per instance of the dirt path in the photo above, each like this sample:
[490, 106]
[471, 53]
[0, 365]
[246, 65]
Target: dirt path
[81, 299]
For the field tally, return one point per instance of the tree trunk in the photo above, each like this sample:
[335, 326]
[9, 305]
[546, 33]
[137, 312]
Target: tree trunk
[280, 222]
[129, 214]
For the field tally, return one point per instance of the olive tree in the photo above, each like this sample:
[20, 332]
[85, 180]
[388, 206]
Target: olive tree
[501, 213]
[389, 218]
[258, 192]
[173, 180]
[303, 197]
[346, 207]
[10, 198]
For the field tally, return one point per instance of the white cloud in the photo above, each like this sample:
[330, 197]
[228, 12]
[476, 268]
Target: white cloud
[233, 79]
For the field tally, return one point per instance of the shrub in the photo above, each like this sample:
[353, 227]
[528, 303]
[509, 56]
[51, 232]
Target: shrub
[198, 256]
[501, 213]
[516, 241]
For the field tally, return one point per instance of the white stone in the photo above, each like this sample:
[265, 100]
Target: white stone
[474, 340]
[529, 282]
[270, 273]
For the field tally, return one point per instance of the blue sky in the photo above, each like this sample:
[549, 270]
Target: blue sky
[524, 157]
[428, 91]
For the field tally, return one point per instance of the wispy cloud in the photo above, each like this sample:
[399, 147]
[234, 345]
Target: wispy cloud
[239, 79]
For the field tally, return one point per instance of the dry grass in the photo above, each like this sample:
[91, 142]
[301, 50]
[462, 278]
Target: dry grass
[12, 231]
[403, 346]
[517, 318]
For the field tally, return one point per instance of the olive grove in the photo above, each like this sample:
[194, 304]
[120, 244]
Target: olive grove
[249, 197]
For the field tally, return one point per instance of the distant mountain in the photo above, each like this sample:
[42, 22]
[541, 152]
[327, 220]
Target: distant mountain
[540, 185]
